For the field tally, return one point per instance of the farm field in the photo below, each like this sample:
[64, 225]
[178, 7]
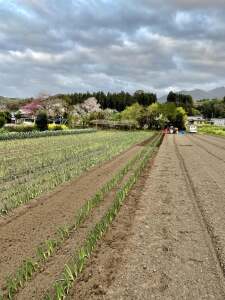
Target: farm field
[31, 167]
[40, 239]
[168, 240]
[212, 130]
[146, 224]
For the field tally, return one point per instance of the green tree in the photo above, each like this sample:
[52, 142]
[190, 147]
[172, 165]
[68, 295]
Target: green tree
[211, 108]
[42, 121]
[195, 112]
[18, 115]
[171, 97]
[181, 100]
[154, 117]
[181, 118]
[145, 99]
[2, 121]
[169, 110]
[6, 115]
[132, 112]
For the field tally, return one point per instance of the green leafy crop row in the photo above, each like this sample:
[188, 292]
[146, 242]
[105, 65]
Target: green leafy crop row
[36, 134]
[210, 129]
[31, 168]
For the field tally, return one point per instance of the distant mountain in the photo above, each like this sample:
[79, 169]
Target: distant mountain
[218, 92]
[201, 94]
[5, 99]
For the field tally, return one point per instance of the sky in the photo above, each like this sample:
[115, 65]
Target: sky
[64, 46]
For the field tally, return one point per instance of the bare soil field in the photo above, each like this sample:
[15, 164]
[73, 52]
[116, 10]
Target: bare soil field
[168, 240]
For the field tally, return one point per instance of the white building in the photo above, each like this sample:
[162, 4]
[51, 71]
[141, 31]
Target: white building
[196, 119]
[218, 122]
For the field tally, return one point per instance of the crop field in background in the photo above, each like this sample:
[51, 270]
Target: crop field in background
[210, 129]
[30, 167]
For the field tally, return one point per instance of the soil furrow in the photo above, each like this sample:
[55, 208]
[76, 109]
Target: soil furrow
[167, 253]
[212, 150]
[217, 143]
[37, 288]
[29, 226]
[215, 165]
[210, 238]
[210, 193]
[110, 253]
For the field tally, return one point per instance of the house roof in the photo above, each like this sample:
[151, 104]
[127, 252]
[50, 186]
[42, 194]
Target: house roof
[196, 118]
[218, 119]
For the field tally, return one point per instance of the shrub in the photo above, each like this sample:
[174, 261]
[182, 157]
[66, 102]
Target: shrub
[42, 121]
[6, 115]
[20, 127]
[2, 121]
[57, 127]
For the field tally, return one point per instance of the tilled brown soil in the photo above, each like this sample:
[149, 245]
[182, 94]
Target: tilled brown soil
[39, 285]
[21, 233]
[168, 241]
[219, 142]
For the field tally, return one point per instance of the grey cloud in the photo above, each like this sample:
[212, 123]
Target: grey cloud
[81, 45]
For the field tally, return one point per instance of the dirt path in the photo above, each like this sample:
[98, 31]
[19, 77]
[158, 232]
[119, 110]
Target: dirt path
[168, 241]
[21, 233]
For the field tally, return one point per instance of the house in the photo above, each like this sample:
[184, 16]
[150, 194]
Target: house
[218, 122]
[13, 118]
[196, 120]
[27, 113]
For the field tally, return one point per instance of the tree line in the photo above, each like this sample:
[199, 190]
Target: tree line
[117, 101]
[211, 108]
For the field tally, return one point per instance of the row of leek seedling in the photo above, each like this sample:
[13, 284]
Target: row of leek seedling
[36, 134]
[31, 156]
[46, 249]
[32, 169]
[25, 190]
[21, 191]
[27, 160]
[35, 146]
[75, 266]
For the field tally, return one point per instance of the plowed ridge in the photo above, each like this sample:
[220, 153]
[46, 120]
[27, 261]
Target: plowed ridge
[21, 234]
[175, 242]
[102, 182]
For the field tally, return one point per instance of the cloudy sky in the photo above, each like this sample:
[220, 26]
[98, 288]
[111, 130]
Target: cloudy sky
[57, 46]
